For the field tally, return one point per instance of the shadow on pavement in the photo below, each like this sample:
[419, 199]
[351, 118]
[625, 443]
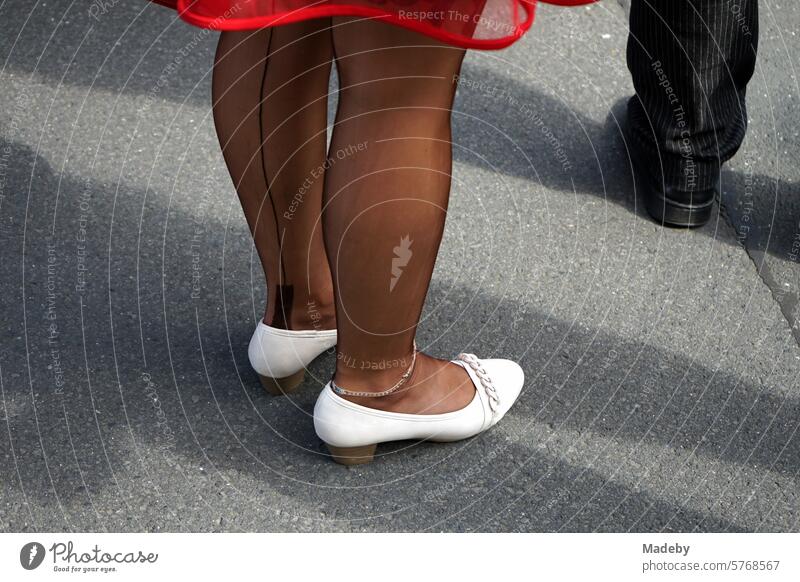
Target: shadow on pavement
[117, 376]
[516, 129]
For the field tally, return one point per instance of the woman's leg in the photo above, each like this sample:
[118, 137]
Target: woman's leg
[270, 110]
[385, 205]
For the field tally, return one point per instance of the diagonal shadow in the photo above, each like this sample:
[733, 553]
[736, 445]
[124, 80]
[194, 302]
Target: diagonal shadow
[142, 50]
[160, 411]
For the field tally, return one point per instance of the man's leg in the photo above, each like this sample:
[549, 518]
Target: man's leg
[690, 61]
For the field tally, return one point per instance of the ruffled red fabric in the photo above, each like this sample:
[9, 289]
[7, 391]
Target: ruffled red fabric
[478, 24]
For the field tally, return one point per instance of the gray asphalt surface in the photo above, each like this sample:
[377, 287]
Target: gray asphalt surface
[662, 387]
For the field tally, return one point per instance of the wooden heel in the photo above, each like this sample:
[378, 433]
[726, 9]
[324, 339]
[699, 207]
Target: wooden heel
[352, 455]
[281, 386]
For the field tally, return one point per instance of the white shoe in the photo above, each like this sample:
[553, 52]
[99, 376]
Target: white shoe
[352, 432]
[280, 356]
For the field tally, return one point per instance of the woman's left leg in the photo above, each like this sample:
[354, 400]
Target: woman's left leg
[270, 110]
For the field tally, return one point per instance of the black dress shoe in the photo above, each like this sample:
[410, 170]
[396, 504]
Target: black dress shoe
[672, 207]
[669, 206]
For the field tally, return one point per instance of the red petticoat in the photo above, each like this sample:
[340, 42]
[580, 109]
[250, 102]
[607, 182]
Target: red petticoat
[481, 24]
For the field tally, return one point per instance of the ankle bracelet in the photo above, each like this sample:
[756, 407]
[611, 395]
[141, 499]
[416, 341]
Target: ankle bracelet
[403, 379]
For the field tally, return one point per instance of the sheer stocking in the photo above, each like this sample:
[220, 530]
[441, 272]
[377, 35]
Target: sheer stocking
[385, 205]
[270, 106]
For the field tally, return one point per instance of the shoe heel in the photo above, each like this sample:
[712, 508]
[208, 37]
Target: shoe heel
[352, 455]
[281, 386]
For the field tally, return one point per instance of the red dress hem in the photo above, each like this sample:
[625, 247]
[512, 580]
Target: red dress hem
[329, 10]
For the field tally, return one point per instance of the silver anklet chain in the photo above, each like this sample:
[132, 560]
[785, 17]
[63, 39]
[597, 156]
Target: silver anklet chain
[403, 379]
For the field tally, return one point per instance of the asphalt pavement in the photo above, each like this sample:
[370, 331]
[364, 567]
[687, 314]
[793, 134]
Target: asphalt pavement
[663, 366]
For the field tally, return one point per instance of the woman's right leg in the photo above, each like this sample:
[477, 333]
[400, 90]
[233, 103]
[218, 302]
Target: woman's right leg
[385, 205]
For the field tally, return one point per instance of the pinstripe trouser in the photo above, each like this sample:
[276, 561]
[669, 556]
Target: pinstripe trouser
[690, 61]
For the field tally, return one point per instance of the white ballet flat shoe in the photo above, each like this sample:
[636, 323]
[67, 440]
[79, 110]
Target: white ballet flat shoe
[280, 356]
[352, 432]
